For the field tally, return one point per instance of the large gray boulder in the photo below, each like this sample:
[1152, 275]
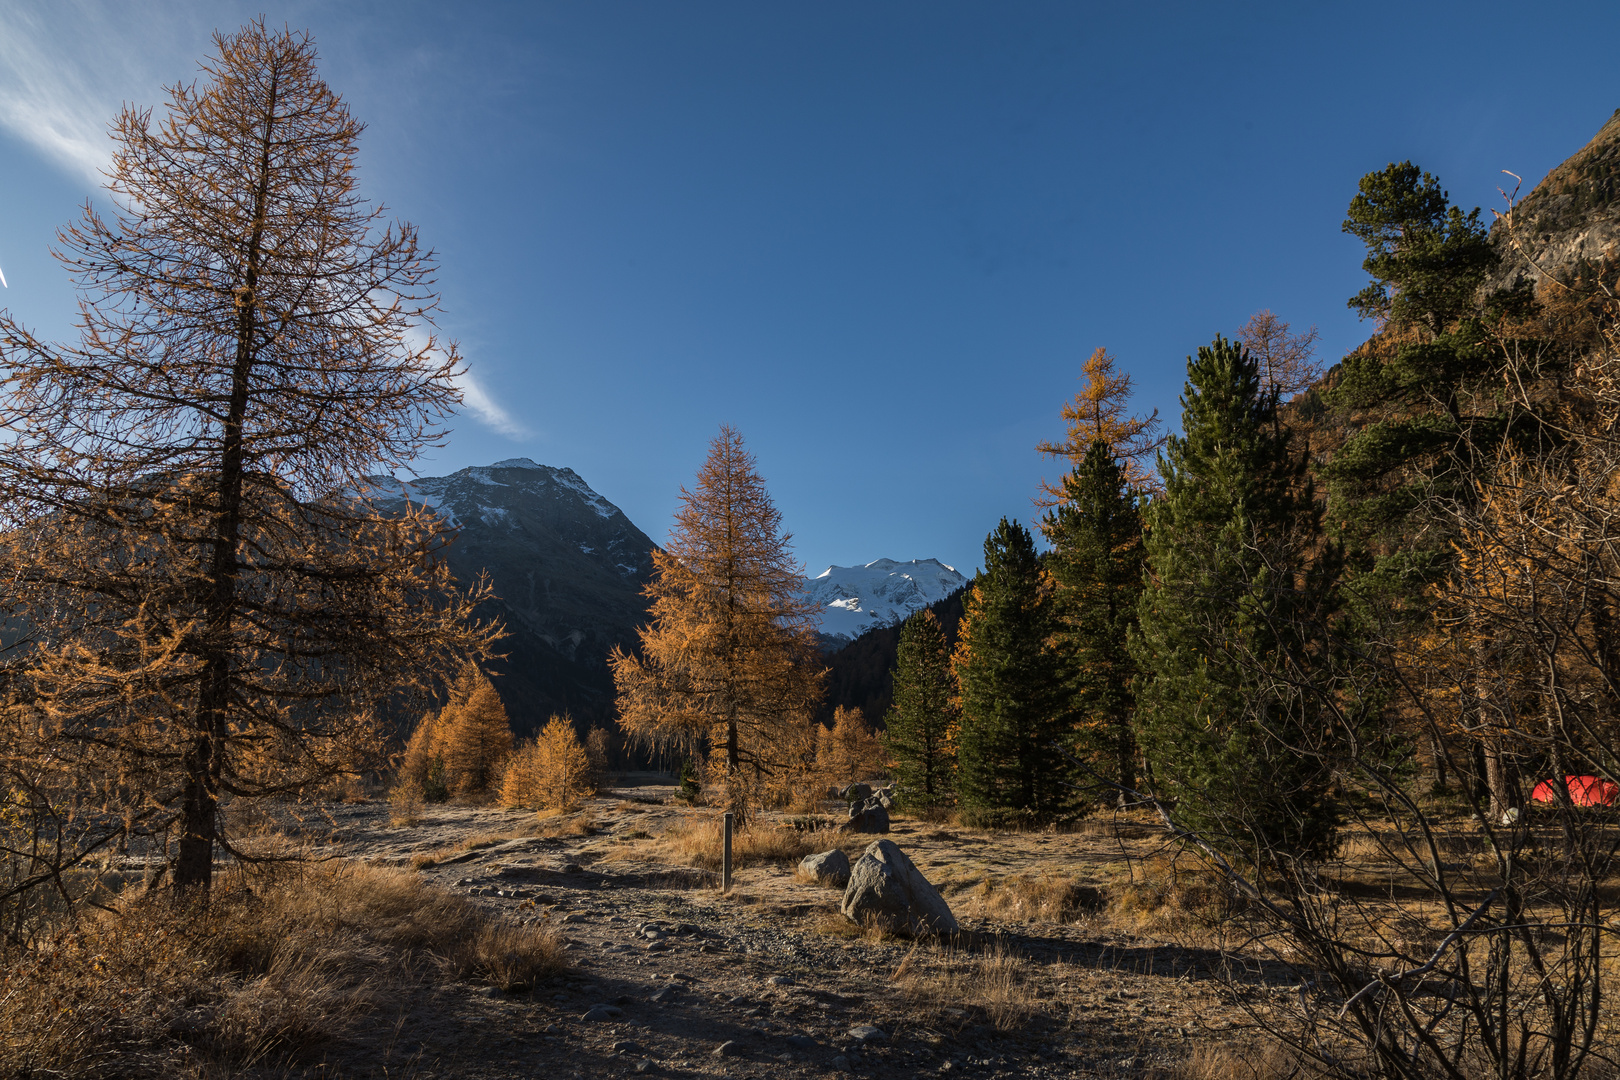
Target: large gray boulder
[827, 868]
[870, 818]
[886, 889]
[858, 792]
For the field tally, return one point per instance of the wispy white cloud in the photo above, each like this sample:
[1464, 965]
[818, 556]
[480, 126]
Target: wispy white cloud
[490, 414]
[67, 67]
[474, 398]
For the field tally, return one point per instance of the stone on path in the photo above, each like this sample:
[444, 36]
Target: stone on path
[867, 1033]
[887, 889]
[603, 1012]
[729, 1048]
[826, 868]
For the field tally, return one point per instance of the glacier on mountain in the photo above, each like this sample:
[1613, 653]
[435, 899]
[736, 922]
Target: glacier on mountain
[854, 599]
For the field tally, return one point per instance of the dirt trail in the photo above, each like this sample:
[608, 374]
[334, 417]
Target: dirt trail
[672, 978]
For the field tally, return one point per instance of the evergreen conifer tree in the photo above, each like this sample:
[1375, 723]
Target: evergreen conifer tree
[1012, 715]
[1226, 617]
[1097, 560]
[919, 738]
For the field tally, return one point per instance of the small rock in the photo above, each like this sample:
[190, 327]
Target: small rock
[780, 980]
[644, 1065]
[866, 1033]
[603, 1012]
[573, 917]
[802, 1042]
[840, 1064]
[552, 1029]
[663, 995]
[490, 992]
[657, 946]
[857, 792]
[826, 868]
[569, 868]
[729, 1048]
[625, 1046]
[676, 976]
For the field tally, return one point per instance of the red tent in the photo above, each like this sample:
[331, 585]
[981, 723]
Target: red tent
[1583, 791]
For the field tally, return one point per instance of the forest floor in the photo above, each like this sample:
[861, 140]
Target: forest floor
[769, 980]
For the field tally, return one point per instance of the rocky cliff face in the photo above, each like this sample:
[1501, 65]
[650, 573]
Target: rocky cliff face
[1571, 216]
[567, 567]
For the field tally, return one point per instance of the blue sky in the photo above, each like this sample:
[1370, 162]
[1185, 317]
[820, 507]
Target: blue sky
[878, 238]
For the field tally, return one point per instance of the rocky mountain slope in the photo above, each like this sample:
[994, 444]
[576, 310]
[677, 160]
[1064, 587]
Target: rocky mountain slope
[567, 567]
[855, 599]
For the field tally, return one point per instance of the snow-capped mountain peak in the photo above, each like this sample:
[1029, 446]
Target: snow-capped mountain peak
[854, 599]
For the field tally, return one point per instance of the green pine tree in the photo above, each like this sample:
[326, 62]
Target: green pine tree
[1422, 394]
[1097, 561]
[1008, 768]
[919, 732]
[1225, 625]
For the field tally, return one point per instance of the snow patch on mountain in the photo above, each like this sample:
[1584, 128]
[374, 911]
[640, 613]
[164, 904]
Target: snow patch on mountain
[854, 599]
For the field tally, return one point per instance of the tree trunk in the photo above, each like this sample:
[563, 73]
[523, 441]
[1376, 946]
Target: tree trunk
[1496, 778]
[194, 863]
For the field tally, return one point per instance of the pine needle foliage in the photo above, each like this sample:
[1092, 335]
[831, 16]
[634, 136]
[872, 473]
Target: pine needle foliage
[1009, 770]
[1225, 619]
[729, 660]
[1097, 562]
[919, 737]
[212, 614]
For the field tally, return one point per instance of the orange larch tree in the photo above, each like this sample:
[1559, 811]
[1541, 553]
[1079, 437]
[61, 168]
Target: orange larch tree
[1101, 411]
[729, 660]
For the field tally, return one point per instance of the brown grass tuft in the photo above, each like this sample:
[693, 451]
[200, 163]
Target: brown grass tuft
[698, 843]
[995, 980]
[1030, 898]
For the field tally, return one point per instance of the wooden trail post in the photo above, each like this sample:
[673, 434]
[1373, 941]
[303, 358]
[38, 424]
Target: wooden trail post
[725, 859]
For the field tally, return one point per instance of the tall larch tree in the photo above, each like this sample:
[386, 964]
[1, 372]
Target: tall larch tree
[1101, 410]
[1225, 624]
[729, 661]
[1097, 562]
[213, 615]
[1009, 767]
[920, 735]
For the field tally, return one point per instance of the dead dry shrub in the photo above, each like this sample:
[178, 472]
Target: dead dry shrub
[155, 988]
[1034, 897]
[994, 979]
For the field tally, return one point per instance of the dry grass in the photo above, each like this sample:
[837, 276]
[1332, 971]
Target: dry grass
[698, 843]
[554, 823]
[161, 989]
[1178, 898]
[995, 980]
[1256, 1061]
[1031, 898]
